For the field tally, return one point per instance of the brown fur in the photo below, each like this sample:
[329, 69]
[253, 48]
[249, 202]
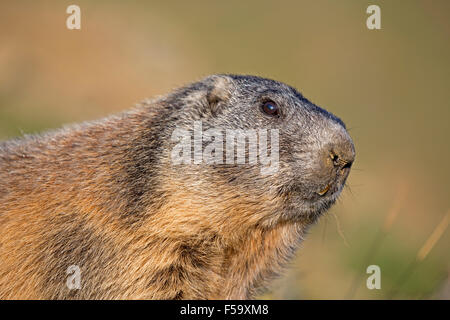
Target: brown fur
[66, 199]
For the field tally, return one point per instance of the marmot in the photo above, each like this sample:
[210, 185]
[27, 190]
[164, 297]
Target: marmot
[107, 197]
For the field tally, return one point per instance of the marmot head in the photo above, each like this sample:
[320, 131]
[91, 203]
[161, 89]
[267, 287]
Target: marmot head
[297, 155]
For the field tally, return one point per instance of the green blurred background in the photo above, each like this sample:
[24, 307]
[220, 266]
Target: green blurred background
[390, 86]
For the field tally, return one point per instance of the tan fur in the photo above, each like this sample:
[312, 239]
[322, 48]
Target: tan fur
[235, 249]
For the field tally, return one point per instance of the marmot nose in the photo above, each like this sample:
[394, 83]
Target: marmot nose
[342, 153]
[336, 160]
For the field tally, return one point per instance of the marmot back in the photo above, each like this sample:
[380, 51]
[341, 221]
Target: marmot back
[202, 194]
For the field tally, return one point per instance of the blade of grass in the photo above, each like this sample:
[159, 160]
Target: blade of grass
[383, 231]
[422, 253]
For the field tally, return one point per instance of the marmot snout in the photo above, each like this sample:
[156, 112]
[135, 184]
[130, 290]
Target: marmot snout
[204, 193]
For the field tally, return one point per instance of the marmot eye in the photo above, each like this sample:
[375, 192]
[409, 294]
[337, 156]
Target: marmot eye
[270, 108]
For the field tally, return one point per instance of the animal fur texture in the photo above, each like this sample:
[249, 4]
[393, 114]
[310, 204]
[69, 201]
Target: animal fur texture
[105, 196]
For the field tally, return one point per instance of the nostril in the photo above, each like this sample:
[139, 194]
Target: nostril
[334, 157]
[347, 165]
[340, 162]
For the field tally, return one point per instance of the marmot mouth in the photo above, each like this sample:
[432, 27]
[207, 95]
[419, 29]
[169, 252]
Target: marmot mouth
[330, 190]
[324, 190]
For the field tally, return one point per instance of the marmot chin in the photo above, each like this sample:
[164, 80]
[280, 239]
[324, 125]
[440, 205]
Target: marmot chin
[106, 197]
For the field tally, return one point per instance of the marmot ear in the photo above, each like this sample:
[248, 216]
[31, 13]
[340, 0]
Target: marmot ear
[220, 91]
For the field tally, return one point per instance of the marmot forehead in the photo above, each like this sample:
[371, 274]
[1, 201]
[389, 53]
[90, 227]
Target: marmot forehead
[250, 85]
[258, 84]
